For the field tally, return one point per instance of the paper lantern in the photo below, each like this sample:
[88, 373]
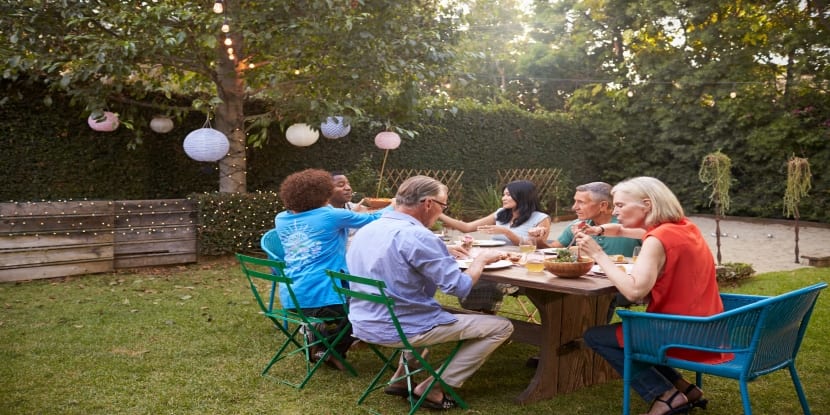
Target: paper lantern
[301, 135]
[335, 127]
[206, 144]
[161, 124]
[108, 124]
[387, 140]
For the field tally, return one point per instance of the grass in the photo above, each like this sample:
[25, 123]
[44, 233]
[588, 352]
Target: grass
[188, 340]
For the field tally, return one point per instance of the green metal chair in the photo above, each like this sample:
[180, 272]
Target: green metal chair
[301, 334]
[343, 284]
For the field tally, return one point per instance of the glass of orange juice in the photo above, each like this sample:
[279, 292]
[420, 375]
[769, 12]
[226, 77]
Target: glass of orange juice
[535, 262]
[527, 244]
[635, 254]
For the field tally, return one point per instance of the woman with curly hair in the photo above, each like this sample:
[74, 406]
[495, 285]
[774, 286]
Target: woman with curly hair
[314, 236]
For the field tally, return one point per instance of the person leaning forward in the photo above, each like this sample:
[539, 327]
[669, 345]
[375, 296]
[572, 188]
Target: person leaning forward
[400, 250]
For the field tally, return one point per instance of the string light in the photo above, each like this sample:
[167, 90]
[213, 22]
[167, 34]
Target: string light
[228, 41]
[218, 7]
[225, 26]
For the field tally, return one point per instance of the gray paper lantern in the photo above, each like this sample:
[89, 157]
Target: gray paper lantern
[335, 127]
[161, 124]
[206, 144]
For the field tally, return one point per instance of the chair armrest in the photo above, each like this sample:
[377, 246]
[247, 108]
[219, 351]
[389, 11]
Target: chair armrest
[732, 301]
[650, 335]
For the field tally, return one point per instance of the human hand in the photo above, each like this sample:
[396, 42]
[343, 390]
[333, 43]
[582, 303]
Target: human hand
[360, 207]
[488, 256]
[588, 246]
[537, 232]
[579, 227]
[458, 251]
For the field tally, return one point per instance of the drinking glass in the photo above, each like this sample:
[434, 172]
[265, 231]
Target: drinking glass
[535, 262]
[635, 254]
[527, 244]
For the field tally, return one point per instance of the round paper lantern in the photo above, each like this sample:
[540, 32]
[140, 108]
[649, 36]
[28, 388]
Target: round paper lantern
[335, 127]
[161, 124]
[387, 140]
[206, 144]
[301, 135]
[109, 123]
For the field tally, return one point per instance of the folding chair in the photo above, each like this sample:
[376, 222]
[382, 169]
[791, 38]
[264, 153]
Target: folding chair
[763, 333]
[271, 244]
[301, 332]
[419, 365]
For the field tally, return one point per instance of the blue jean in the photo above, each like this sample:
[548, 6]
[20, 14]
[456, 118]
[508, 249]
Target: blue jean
[650, 381]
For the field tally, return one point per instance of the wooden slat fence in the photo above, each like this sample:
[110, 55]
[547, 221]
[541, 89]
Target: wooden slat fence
[55, 239]
[451, 178]
[547, 181]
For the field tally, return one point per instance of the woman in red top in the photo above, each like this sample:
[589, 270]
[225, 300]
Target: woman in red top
[674, 273]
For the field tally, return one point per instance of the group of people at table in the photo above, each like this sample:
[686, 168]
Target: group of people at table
[674, 272]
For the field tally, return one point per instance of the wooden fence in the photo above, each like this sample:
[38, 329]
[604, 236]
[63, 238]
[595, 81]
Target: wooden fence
[55, 239]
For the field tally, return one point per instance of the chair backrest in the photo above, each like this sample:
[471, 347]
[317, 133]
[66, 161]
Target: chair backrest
[271, 244]
[265, 270]
[780, 328]
[347, 291]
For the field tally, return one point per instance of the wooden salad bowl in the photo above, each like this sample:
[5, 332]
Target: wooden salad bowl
[569, 269]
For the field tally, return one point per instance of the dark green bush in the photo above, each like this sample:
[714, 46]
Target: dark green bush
[234, 222]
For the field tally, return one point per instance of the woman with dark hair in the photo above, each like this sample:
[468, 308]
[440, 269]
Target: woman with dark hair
[314, 236]
[520, 211]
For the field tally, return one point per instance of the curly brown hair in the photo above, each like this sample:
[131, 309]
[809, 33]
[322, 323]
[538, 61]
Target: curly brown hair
[306, 190]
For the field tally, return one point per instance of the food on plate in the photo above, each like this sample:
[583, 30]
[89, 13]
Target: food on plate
[618, 258]
[564, 255]
[514, 257]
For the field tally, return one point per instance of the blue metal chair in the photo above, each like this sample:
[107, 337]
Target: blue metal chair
[763, 333]
[270, 243]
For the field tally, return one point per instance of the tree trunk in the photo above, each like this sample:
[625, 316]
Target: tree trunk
[230, 120]
[796, 234]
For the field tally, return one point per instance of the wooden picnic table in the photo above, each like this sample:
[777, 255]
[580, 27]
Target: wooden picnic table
[567, 306]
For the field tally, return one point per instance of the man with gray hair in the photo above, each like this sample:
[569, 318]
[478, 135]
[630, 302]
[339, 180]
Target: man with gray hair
[593, 206]
[400, 250]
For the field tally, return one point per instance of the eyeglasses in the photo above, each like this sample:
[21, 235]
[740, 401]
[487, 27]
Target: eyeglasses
[444, 206]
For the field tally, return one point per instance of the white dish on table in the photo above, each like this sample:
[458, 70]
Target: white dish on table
[550, 251]
[488, 242]
[503, 263]
[596, 269]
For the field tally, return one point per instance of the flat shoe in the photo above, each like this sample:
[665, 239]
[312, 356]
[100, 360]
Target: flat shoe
[396, 391]
[700, 402]
[681, 409]
[445, 403]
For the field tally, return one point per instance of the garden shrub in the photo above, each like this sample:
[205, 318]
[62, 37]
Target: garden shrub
[733, 272]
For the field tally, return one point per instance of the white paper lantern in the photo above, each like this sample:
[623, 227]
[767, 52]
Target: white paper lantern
[206, 144]
[161, 124]
[335, 127]
[301, 135]
[387, 140]
[108, 124]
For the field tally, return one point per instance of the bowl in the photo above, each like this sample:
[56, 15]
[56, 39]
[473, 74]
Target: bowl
[377, 202]
[569, 269]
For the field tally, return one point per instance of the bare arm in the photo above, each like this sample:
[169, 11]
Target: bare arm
[644, 273]
[467, 227]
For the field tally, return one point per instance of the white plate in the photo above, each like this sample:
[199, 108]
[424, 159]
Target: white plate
[488, 242]
[503, 263]
[550, 251]
[596, 269]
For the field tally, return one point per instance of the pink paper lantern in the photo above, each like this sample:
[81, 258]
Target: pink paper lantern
[387, 140]
[108, 124]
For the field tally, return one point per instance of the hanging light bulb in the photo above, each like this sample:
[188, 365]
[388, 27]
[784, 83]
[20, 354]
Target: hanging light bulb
[228, 41]
[218, 7]
[231, 57]
[251, 66]
[230, 51]
[226, 27]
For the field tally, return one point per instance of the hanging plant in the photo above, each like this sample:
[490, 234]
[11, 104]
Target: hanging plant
[716, 172]
[799, 182]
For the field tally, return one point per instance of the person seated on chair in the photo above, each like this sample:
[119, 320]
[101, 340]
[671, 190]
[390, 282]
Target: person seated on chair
[593, 206]
[520, 211]
[400, 250]
[314, 236]
[342, 195]
[675, 271]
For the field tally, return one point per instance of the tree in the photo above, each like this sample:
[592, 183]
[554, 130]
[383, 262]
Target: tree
[300, 61]
[798, 185]
[716, 172]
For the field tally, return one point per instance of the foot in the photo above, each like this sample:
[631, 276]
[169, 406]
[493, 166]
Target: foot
[695, 396]
[669, 403]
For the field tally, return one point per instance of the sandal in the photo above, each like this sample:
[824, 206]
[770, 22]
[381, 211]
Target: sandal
[682, 409]
[446, 403]
[698, 402]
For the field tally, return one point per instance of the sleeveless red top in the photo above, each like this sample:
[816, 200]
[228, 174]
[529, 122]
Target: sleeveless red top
[688, 285]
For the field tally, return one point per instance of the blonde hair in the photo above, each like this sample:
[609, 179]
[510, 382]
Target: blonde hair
[664, 204]
[414, 189]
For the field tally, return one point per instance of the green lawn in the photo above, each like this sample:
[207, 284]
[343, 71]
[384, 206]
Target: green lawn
[188, 340]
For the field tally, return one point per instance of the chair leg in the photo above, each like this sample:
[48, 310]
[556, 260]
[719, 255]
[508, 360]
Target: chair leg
[805, 407]
[745, 396]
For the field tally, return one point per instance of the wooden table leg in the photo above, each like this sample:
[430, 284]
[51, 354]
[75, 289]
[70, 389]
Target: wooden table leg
[565, 364]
